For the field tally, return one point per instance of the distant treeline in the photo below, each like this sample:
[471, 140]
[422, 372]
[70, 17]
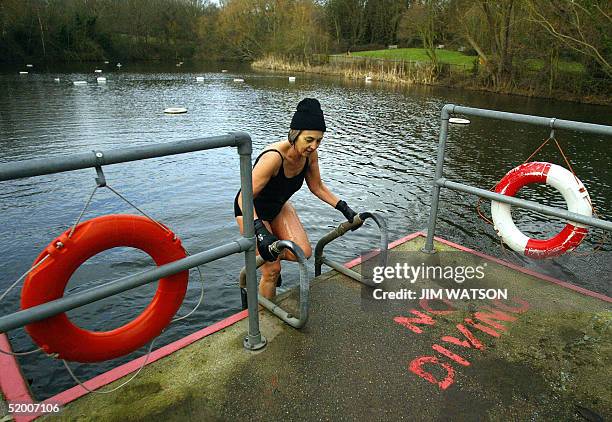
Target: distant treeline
[86, 30]
[506, 37]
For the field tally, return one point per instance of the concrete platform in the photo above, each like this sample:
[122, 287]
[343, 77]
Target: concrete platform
[545, 353]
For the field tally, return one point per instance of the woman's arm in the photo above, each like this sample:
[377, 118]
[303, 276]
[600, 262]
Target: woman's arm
[267, 166]
[315, 184]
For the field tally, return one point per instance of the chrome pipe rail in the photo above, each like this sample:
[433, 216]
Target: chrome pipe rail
[259, 261]
[440, 181]
[96, 159]
[523, 203]
[304, 288]
[50, 165]
[358, 221]
[287, 317]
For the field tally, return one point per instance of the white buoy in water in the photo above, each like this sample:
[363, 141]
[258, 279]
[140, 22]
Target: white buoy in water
[175, 110]
[238, 80]
[223, 70]
[105, 61]
[200, 78]
[291, 78]
[23, 73]
[101, 80]
[458, 121]
[80, 82]
[29, 65]
[56, 80]
[98, 71]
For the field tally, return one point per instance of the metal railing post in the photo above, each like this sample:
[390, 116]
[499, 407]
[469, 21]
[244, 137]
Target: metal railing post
[358, 221]
[287, 317]
[254, 340]
[435, 190]
[552, 123]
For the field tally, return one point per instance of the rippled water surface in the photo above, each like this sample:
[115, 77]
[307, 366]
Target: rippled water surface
[378, 155]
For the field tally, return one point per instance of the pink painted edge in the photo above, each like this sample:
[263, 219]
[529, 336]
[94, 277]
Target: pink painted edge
[393, 244]
[12, 383]
[114, 374]
[544, 277]
[129, 367]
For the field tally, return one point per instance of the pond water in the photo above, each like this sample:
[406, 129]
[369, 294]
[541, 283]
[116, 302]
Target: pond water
[378, 154]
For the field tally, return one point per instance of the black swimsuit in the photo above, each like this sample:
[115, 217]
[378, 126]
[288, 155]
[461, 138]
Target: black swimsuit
[277, 191]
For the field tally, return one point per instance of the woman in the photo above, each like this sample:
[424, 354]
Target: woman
[279, 172]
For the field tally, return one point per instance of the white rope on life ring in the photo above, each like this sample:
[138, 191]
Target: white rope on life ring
[574, 193]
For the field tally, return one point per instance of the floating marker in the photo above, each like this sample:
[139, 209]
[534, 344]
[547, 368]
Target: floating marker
[98, 71]
[101, 80]
[29, 65]
[238, 80]
[105, 61]
[175, 110]
[458, 121]
[80, 82]
[56, 80]
[223, 70]
[23, 73]
[291, 78]
[200, 78]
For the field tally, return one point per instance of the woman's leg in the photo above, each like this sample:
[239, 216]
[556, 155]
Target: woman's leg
[287, 226]
[270, 271]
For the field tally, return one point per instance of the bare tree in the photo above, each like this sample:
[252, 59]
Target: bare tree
[349, 19]
[584, 26]
[488, 27]
[421, 19]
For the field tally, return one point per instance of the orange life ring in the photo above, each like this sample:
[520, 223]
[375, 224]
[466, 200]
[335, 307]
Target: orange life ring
[48, 281]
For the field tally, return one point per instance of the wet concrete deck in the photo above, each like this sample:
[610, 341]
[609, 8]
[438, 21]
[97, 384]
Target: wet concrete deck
[547, 356]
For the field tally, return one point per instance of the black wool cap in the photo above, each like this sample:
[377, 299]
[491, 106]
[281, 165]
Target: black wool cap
[308, 116]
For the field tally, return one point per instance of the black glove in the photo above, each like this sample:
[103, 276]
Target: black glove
[349, 214]
[264, 240]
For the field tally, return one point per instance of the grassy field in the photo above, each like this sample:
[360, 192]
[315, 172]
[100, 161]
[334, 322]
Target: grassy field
[455, 58]
[420, 55]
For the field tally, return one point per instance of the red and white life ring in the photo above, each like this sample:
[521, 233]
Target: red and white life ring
[48, 281]
[574, 193]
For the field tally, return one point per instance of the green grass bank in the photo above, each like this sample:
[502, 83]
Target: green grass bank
[532, 77]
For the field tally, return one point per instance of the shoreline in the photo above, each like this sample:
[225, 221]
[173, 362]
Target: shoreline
[420, 75]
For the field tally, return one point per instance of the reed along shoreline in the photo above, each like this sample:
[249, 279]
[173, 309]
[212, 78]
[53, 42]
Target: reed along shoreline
[423, 73]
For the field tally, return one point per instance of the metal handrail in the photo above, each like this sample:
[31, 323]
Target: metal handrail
[357, 222]
[523, 203]
[552, 123]
[96, 159]
[299, 322]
